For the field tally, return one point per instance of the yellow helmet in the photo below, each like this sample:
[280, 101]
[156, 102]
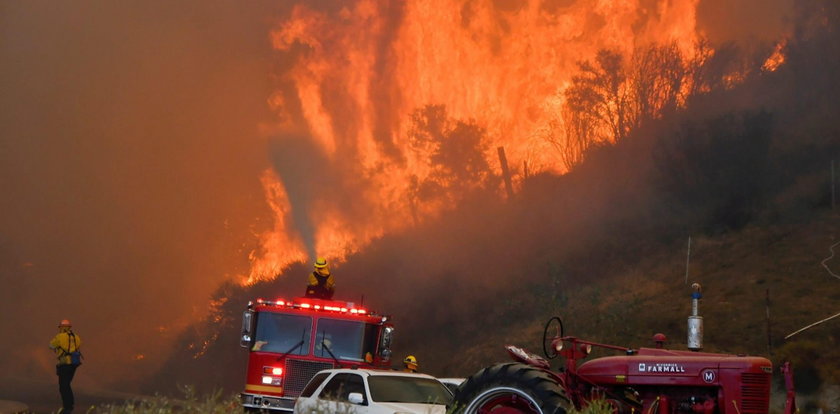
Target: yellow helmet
[320, 263]
[410, 360]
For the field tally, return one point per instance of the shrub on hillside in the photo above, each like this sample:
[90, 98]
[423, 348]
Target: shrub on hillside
[804, 356]
[715, 170]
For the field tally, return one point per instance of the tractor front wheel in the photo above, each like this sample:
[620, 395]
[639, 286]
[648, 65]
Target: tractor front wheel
[510, 388]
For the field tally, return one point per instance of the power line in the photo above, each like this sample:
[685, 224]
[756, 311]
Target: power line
[823, 263]
[813, 324]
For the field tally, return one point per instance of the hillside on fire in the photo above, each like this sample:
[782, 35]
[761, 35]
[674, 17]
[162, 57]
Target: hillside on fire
[469, 168]
[744, 170]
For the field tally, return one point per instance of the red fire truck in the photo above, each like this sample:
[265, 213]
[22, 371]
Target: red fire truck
[290, 341]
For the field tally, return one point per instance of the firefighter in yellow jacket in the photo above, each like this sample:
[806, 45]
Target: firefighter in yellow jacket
[66, 345]
[321, 283]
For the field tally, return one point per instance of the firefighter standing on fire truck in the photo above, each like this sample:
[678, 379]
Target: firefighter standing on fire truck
[66, 346]
[321, 283]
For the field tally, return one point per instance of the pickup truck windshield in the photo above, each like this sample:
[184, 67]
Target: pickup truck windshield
[285, 334]
[386, 388]
[349, 340]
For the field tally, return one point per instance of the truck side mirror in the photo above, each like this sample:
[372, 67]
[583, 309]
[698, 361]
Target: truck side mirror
[356, 398]
[385, 342]
[245, 339]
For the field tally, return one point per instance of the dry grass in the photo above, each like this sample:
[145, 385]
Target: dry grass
[192, 403]
[595, 407]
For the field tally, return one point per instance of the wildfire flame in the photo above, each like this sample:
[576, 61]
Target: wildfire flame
[776, 59]
[361, 70]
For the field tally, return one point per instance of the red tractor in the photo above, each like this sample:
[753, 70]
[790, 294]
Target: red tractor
[646, 380]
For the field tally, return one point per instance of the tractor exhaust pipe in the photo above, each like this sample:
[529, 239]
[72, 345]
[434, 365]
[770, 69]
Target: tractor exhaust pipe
[695, 321]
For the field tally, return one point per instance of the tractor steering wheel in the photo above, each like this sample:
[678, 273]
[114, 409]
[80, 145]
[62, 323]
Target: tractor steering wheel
[558, 333]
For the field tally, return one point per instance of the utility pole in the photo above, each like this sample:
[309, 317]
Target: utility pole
[832, 184]
[767, 312]
[505, 172]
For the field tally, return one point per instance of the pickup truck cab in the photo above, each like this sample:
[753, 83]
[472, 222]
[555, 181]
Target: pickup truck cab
[367, 391]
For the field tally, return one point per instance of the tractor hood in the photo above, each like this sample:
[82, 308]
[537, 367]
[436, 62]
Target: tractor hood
[665, 367]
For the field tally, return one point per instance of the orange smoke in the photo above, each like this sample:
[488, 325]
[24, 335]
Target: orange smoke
[360, 70]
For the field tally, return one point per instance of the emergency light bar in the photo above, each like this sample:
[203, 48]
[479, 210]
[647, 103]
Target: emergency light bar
[316, 306]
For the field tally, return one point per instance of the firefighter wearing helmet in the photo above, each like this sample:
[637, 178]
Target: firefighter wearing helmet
[410, 363]
[66, 345]
[321, 283]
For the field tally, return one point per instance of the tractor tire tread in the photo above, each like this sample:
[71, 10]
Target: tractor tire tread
[545, 391]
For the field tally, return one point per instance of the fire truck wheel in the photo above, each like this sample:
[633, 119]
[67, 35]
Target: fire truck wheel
[509, 388]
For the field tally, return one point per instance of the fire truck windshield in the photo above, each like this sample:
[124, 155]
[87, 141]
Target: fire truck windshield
[349, 340]
[287, 334]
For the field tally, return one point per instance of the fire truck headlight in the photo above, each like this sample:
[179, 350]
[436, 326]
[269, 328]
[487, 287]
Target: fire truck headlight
[269, 380]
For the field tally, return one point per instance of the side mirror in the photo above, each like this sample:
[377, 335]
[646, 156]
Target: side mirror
[247, 323]
[385, 342]
[356, 398]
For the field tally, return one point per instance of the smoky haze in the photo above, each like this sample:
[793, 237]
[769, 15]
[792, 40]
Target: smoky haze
[745, 22]
[130, 158]
[130, 162]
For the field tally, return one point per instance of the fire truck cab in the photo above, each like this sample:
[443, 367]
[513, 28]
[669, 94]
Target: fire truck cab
[290, 341]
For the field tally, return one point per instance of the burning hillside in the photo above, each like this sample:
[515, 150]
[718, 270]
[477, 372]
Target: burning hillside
[379, 104]
[695, 155]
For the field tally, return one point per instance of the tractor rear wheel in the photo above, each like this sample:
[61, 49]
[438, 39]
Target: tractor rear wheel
[510, 388]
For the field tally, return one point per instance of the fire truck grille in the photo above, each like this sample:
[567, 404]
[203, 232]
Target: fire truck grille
[755, 393]
[298, 373]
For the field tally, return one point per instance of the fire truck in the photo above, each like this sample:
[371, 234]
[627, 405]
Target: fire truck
[289, 341]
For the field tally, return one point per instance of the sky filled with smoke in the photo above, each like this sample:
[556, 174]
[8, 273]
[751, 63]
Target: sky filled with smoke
[130, 158]
[133, 136]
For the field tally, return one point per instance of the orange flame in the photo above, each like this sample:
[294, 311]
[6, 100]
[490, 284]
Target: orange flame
[776, 59]
[359, 73]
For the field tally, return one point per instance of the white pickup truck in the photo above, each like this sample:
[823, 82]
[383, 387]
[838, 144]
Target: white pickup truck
[366, 391]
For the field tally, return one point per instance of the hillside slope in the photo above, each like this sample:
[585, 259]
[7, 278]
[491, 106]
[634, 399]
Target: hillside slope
[626, 304]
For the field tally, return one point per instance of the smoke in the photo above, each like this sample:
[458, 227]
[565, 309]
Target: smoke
[745, 22]
[313, 183]
[130, 159]
[132, 149]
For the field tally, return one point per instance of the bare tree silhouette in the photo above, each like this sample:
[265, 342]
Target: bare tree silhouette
[456, 148]
[601, 90]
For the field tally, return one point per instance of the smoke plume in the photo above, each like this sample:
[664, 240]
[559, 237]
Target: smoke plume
[130, 162]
